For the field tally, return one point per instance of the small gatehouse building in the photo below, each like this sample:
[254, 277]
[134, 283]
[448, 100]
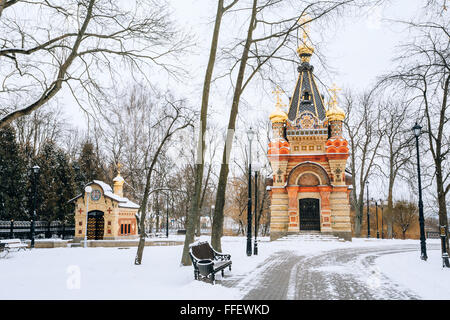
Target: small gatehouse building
[110, 215]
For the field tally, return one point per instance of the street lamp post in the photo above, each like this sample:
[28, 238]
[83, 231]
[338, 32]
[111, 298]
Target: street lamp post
[368, 214]
[36, 172]
[88, 190]
[255, 245]
[423, 247]
[167, 217]
[250, 135]
[382, 218]
[376, 216]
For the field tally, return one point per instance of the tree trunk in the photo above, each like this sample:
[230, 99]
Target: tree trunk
[217, 227]
[199, 166]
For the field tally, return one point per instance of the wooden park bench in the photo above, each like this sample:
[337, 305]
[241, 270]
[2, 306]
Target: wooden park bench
[10, 245]
[207, 261]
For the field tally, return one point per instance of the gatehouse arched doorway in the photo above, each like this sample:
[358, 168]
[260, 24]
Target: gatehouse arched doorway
[309, 214]
[96, 225]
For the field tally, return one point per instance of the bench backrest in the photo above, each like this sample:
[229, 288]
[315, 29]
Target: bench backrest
[202, 251]
[10, 241]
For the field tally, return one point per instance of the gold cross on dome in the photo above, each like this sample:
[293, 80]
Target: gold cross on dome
[303, 21]
[119, 165]
[334, 89]
[277, 92]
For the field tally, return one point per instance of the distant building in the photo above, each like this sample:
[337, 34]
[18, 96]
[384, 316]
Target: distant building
[111, 216]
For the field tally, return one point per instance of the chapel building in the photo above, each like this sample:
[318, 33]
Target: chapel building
[308, 155]
[111, 216]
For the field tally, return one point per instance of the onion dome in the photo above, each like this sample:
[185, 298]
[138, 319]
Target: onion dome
[334, 112]
[278, 115]
[118, 182]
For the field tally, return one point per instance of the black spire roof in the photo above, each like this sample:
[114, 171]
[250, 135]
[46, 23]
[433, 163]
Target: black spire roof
[306, 96]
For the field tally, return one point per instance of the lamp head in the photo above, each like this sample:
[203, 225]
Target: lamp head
[417, 129]
[250, 134]
[36, 169]
[256, 166]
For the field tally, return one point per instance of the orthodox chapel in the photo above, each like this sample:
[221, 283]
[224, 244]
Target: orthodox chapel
[308, 155]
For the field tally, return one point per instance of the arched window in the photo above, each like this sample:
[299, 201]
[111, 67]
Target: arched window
[306, 96]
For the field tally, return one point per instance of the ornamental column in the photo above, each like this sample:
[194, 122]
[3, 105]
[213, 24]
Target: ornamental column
[325, 210]
[293, 209]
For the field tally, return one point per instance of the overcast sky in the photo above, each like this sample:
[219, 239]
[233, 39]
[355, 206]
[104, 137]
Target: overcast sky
[358, 49]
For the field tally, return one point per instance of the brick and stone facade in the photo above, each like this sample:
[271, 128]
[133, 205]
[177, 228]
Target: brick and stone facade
[110, 215]
[308, 155]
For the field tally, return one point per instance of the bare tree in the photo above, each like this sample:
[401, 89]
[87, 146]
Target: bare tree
[362, 128]
[424, 75]
[76, 46]
[404, 214]
[396, 147]
[193, 218]
[168, 119]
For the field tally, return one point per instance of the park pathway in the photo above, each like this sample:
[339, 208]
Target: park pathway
[343, 274]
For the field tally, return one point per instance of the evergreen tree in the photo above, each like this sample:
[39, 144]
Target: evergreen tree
[88, 167]
[65, 187]
[55, 185]
[12, 177]
[47, 196]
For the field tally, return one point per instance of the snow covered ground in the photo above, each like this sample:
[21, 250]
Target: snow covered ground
[109, 273]
[426, 278]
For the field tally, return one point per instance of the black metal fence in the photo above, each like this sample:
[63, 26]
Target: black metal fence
[43, 230]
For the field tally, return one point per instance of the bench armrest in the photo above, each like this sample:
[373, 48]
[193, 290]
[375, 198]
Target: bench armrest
[221, 256]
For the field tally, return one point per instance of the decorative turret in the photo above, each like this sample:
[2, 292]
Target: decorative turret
[278, 116]
[118, 182]
[335, 114]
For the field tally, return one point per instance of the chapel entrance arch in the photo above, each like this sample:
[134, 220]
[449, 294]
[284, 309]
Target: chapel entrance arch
[96, 225]
[309, 214]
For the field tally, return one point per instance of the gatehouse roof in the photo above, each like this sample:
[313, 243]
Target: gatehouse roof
[123, 202]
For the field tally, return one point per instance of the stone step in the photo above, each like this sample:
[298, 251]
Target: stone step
[310, 236]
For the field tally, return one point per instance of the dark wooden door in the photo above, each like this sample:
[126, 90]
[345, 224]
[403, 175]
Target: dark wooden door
[96, 225]
[309, 214]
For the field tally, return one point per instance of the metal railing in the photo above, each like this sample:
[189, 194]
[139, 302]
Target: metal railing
[43, 230]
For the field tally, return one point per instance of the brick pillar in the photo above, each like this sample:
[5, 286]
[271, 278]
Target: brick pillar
[293, 209]
[325, 211]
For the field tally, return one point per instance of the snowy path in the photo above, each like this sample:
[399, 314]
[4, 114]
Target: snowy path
[342, 274]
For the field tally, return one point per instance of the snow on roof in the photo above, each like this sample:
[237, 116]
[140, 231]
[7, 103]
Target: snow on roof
[105, 187]
[118, 178]
[108, 192]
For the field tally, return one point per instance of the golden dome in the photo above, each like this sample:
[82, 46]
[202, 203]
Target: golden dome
[334, 112]
[118, 180]
[278, 115]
